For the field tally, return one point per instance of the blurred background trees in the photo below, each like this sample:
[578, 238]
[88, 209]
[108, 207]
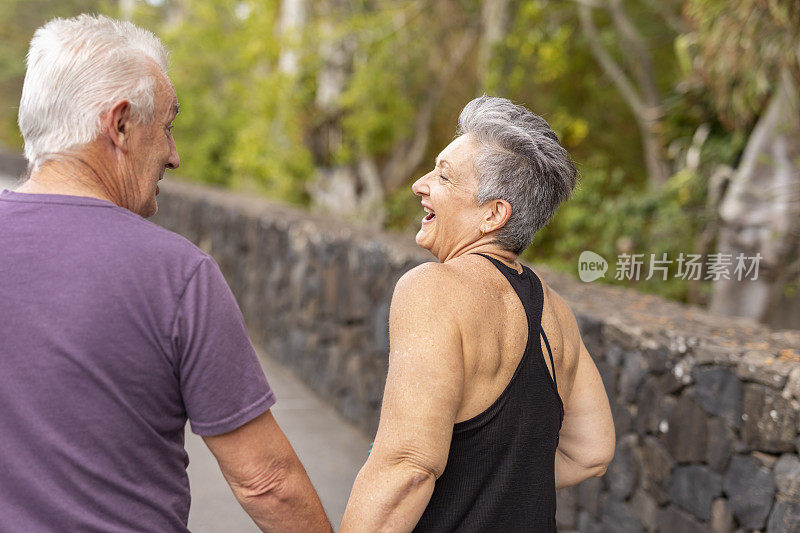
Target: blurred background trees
[681, 114]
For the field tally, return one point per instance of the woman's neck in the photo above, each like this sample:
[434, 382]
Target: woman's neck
[487, 248]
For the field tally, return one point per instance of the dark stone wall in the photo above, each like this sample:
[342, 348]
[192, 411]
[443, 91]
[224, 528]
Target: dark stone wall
[705, 408]
[12, 164]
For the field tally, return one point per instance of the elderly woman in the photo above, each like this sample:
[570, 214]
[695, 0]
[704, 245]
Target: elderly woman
[492, 401]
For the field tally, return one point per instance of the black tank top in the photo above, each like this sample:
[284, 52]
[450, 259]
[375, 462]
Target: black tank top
[500, 472]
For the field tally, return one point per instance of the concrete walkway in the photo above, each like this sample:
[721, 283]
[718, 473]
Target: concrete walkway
[331, 449]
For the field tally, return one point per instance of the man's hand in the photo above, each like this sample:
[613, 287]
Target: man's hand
[267, 477]
[423, 393]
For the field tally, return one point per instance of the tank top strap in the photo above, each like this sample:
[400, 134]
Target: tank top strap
[550, 353]
[530, 292]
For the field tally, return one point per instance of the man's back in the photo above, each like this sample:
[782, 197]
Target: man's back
[113, 332]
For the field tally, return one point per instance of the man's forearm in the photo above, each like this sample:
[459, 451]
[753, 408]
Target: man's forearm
[287, 502]
[387, 497]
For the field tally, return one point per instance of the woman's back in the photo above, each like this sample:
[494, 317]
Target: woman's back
[500, 467]
[494, 333]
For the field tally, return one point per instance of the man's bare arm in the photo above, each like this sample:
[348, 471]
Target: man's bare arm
[423, 393]
[267, 478]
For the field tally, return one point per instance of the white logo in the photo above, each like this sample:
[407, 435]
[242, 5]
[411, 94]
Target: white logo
[591, 266]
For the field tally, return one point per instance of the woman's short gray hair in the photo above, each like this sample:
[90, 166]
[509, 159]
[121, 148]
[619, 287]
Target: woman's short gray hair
[77, 69]
[521, 161]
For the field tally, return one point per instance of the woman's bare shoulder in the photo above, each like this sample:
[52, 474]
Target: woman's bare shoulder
[454, 286]
[441, 276]
[429, 275]
[426, 284]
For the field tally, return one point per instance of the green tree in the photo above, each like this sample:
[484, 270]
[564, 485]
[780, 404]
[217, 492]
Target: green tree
[746, 55]
[18, 20]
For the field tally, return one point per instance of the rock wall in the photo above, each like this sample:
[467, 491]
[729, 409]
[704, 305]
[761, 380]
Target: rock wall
[12, 165]
[705, 408]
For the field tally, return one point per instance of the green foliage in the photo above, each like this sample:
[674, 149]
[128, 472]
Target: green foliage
[377, 103]
[375, 121]
[403, 210]
[737, 49]
[265, 123]
[18, 20]
[246, 124]
[609, 217]
[268, 153]
[400, 47]
[237, 125]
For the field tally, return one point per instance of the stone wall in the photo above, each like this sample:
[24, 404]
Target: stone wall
[12, 164]
[705, 408]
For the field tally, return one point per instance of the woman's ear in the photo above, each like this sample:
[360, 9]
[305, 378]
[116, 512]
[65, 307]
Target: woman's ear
[496, 216]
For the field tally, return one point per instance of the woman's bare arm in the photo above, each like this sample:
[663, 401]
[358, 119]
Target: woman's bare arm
[586, 440]
[423, 393]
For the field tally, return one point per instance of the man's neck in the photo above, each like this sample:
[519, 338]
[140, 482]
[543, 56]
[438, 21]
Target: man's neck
[67, 176]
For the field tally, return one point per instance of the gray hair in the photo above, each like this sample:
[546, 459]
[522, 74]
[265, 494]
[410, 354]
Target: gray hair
[77, 69]
[521, 161]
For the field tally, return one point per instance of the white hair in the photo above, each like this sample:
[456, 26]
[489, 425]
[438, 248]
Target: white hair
[519, 160]
[77, 69]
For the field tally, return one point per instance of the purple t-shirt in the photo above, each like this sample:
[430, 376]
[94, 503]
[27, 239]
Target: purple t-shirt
[113, 331]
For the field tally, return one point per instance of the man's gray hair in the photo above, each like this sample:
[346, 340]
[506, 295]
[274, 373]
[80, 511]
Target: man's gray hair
[521, 161]
[77, 69]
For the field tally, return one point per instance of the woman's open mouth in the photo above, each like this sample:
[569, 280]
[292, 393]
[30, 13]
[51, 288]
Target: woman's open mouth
[429, 217]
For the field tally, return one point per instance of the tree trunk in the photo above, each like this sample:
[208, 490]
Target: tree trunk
[292, 20]
[126, 8]
[175, 13]
[408, 155]
[760, 213]
[639, 91]
[358, 190]
[352, 191]
[494, 22]
[656, 164]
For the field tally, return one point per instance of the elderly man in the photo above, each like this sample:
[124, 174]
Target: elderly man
[115, 331]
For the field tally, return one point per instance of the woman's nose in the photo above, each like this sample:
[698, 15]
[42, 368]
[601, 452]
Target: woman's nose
[420, 187]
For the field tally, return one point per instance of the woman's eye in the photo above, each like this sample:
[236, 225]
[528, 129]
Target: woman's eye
[441, 176]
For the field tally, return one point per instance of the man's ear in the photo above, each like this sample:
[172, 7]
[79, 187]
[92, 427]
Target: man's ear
[116, 124]
[496, 215]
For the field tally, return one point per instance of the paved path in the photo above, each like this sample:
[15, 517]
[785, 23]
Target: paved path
[331, 449]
